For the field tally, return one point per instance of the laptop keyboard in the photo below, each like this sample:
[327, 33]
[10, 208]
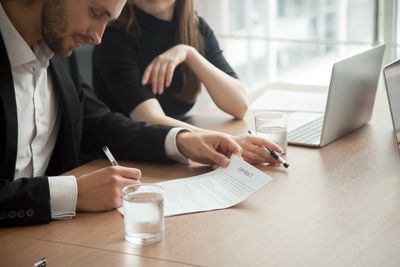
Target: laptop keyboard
[309, 133]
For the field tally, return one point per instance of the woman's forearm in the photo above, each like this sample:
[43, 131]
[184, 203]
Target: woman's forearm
[227, 92]
[151, 112]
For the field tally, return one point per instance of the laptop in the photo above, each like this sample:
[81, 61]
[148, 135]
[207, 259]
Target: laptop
[391, 74]
[349, 104]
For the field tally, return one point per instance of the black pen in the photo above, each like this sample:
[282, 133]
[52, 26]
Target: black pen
[40, 263]
[274, 155]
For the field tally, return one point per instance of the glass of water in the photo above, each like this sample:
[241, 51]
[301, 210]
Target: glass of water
[143, 206]
[272, 126]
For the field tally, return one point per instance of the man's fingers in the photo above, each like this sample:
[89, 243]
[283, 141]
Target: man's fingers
[231, 146]
[128, 182]
[125, 172]
[225, 149]
[131, 173]
[218, 158]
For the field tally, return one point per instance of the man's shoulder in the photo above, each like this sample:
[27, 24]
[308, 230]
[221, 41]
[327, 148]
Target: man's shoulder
[65, 70]
[64, 63]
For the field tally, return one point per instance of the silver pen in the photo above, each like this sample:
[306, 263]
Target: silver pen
[40, 263]
[110, 156]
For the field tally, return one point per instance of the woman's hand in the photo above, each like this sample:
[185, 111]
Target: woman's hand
[160, 71]
[254, 149]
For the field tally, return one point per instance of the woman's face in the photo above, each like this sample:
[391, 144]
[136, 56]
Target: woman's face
[162, 9]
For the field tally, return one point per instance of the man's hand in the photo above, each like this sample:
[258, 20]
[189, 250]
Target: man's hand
[102, 189]
[254, 150]
[208, 148]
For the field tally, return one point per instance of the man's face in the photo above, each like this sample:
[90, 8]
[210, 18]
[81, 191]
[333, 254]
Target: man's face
[68, 24]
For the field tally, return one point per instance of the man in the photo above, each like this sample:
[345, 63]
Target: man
[48, 116]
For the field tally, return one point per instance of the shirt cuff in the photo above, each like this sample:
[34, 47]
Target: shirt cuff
[171, 149]
[63, 196]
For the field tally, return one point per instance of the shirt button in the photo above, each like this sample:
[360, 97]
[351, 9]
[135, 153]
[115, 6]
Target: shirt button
[3, 215]
[29, 212]
[12, 214]
[20, 213]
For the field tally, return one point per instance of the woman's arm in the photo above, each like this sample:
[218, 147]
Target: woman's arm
[151, 111]
[226, 91]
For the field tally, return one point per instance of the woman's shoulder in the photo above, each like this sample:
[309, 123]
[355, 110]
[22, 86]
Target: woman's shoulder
[204, 27]
[116, 38]
[116, 34]
[116, 28]
[119, 29]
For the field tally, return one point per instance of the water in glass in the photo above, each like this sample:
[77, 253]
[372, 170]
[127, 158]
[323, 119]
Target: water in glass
[143, 217]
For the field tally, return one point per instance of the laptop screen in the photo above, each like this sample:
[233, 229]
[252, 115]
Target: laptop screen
[392, 80]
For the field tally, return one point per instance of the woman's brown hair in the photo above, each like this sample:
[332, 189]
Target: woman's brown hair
[188, 33]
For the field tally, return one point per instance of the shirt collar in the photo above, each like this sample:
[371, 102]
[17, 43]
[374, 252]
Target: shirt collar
[43, 53]
[18, 50]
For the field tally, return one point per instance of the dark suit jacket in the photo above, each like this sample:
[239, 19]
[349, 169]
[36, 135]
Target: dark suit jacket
[86, 125]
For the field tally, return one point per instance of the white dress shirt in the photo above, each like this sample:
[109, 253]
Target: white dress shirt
[39, 118]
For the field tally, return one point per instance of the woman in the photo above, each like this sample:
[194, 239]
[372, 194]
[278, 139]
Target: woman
[153, 60]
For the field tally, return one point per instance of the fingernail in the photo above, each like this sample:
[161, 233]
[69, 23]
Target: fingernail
[224, 162]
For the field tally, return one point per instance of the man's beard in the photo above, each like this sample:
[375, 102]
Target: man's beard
[54, 24]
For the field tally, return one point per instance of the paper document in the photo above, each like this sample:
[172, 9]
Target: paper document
[290, 101]
[218, 189]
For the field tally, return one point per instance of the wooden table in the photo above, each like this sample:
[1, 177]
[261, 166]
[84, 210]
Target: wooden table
[335, 206]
